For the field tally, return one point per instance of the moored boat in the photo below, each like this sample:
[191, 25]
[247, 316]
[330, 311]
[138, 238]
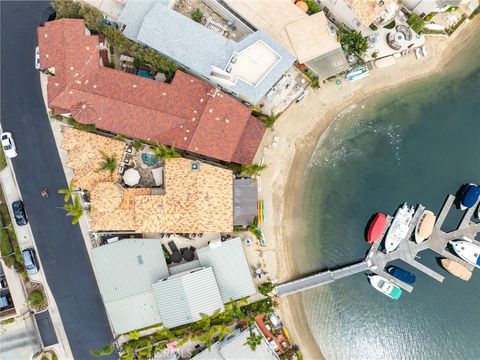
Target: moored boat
[467, 251]
[401, 274]
[357, 73]
[470, 196]
[424, 227]
[456, 269]
[376, 228]
[385, 287]
[399, 228]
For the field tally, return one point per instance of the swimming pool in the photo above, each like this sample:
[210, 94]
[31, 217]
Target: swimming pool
[149, 159]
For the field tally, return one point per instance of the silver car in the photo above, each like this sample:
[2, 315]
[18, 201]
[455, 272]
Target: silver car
[30, 261]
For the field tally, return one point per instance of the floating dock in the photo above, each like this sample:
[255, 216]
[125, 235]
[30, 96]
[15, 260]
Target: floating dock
[407, 251]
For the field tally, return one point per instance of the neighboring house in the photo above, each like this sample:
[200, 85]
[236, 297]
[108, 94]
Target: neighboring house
[188, 113]
[235, 347]
[312, 39]
[139, 290]
[425, 7]
[378, 12]
[248, 67]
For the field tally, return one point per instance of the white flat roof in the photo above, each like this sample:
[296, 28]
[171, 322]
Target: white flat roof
[253, 63]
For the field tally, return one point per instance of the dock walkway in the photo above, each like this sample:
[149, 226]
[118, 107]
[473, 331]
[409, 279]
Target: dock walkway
[376, 261]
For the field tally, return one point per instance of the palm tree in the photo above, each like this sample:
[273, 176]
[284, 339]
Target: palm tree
[68, 191]
[221, 330]
[270, 120]
[109, 163]
[253, 340]
[74, 209]
[252, 169]
[164, 152]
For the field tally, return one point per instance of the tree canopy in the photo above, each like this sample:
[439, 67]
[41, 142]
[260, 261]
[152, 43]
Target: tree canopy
[353, 41]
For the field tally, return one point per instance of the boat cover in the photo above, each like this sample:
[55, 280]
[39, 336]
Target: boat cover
[470, 195]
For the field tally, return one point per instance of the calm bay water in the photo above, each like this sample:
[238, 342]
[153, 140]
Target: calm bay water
[415, 144]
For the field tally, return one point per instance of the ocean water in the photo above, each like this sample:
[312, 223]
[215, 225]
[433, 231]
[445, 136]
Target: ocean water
[417, 143]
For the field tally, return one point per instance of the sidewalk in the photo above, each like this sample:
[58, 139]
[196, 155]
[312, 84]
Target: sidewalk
[26, 240]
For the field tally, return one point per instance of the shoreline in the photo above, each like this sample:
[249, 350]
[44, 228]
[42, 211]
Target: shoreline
[299, 129]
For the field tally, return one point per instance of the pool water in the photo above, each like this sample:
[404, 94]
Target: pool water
[149, 159]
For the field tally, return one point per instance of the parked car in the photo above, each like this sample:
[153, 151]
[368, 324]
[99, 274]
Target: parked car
[8, 145]
[19, 213]
[5, 302]
[37, 58]
[48, 14]
[30, 261]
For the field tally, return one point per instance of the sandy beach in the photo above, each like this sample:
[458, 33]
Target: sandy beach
[296, 135]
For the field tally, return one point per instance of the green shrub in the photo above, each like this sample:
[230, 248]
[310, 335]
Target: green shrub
[36, 298]
[390, 25]
[313, 7]
[103, 351]
[137, 144]
[266, 288]
[7, 321]
[416, 23]
[6, 249]
[197, 15]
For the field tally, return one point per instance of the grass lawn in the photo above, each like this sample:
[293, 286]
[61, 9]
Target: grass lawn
[3, 161]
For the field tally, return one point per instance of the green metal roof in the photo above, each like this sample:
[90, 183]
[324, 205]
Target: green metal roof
[183, 297]
[231, 269]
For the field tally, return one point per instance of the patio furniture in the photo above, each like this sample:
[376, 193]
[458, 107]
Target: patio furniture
[176, 257]
[158, 176]
[182, 250]
[173, 247]
[131, 177]
[121, 169]
[129, 149]
[188, 254]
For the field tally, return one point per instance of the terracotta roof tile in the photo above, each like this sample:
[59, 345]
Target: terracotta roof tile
[187, 113]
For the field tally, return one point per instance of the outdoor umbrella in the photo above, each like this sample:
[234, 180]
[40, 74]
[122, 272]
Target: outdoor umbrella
[131, 177]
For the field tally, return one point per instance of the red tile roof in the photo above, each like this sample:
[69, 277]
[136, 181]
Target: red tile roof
[188, 113]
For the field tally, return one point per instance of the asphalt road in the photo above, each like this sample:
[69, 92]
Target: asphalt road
[61, 247]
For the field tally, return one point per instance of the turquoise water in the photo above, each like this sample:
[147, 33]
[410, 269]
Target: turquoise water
[415, 144]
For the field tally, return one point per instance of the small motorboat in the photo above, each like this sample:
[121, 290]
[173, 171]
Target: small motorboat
[424, 227]
[385, 287]
[456, 269]
[376, 228]
[399, 228]
[470, 196]
[467, 251]
[401, 274]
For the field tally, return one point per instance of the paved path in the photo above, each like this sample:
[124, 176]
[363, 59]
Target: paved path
[60, 245]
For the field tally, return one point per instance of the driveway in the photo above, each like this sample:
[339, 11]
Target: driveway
[19, 340]
[61, 247]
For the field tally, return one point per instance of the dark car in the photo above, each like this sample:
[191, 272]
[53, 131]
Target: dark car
[48, 14]
[30, 261]
[19, 213]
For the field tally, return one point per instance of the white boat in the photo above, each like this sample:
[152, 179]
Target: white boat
[467, 251]
[385, 287]
[424, 228]
[357, 73]
[399, 228]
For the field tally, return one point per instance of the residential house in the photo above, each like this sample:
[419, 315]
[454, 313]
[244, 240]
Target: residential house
[235, 346]
[247, 68]
[188, 113]
[425, 7]
[312, 39]
[139, 290]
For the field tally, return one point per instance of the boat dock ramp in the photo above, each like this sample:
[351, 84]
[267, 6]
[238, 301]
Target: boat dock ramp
[407, 251]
